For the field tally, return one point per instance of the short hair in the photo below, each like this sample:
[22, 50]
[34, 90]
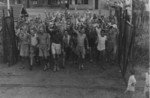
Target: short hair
[132, 71]
[103, 30]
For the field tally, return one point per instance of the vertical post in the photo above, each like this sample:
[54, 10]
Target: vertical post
[4, 38]
[8, 7]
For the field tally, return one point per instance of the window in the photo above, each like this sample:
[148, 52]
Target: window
[78, 2]
[86, 2]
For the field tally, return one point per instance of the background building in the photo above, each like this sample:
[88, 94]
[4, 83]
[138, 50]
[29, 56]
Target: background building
[87, 4]
[80, 4]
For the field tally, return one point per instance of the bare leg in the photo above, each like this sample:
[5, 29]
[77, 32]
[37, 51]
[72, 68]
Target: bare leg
[45, 63]
[81, 67]
[58, 62]
[55, 63]
[31, 62]
[64, 59]
[23, 61]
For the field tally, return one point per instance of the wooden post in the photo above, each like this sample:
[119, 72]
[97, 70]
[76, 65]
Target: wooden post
[4, 37]
[8, 7]
[9, 40]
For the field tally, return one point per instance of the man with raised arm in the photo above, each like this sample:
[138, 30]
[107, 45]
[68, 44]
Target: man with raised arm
[44, 46]
[81, 49]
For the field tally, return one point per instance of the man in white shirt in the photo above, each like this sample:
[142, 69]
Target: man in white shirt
[101, 42]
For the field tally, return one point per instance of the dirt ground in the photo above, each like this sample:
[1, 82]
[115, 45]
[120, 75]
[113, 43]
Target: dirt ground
[93, 82]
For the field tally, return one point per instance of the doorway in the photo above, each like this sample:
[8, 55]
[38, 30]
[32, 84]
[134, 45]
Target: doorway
[96, 4]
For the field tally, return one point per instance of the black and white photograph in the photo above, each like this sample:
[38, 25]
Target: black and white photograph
[74, 49]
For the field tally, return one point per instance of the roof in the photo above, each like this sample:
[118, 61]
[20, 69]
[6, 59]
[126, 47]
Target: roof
[17, 11]
[1, 3]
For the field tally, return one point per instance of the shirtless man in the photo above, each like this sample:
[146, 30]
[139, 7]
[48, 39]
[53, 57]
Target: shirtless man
[81, 52]
[44, 46]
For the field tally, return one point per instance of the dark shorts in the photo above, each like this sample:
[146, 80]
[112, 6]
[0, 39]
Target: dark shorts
[91, 42]
[43, 50]
[102, 52]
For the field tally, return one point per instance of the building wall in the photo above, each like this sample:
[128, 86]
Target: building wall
[90, 5]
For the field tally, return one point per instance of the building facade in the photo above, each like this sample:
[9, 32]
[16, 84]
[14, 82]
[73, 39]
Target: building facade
[87, 4]
[79, 4]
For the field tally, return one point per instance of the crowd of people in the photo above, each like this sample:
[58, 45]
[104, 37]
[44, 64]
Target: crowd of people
[77, 37]
[64, 36]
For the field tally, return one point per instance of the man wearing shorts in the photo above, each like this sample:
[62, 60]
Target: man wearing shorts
[44, 46]
[56, 47]
[80, 49]
[33, 47]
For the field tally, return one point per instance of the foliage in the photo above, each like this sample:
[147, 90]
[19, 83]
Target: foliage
[138, 5]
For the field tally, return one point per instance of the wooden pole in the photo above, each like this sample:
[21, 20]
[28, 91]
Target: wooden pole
[8, 7]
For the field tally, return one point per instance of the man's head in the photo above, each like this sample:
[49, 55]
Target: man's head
[82, 30]
[32, 32]
[115, 3]
[132, 72]
[50, 25]
[41, 29]
[66, 33]
[113, 21]
[102, 33]
[25, 27]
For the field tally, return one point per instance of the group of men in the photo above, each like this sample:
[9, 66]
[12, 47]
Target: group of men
[65, 35]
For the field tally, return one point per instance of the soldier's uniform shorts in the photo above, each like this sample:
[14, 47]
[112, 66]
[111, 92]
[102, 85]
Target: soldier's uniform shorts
[43, 50]
[56, 48]
[24, 50]
[80, 51]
